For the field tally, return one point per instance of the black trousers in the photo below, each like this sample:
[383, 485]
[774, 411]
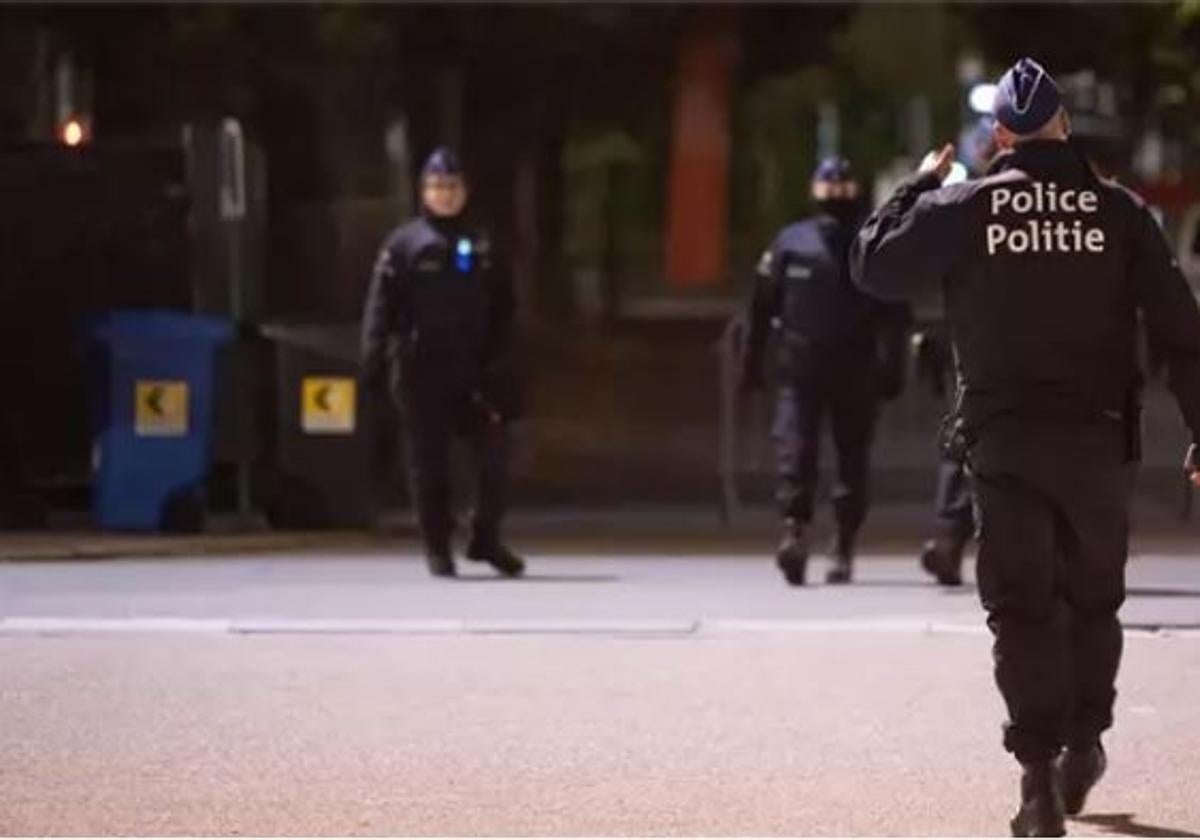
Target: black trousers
[433, 421]
[953, 506]
[953, 510]
[850, 402]
[1053, 500]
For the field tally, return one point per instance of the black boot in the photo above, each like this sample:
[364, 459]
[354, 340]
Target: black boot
[1079, 769]
[942, 558]
[437, 535]
[842, 554]
[1041, 811]
[792, 556]
[440, 561]
[496, 555]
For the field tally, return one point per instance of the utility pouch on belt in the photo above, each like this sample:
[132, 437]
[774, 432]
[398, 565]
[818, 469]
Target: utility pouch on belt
[953, 441]
[953, 434]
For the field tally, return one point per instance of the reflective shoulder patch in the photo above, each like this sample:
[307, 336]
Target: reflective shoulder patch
[383, 264]
[764, 262]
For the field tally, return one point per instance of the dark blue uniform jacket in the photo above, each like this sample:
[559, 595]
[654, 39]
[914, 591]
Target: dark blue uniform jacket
[438, 316]
[823, 326]
[1045, 269]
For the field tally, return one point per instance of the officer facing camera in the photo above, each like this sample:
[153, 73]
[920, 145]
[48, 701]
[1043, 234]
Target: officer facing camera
[436, 332]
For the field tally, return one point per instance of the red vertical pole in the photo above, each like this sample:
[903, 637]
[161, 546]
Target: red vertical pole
[698, 191]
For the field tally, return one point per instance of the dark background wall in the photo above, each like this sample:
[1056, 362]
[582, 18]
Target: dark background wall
[563, 113]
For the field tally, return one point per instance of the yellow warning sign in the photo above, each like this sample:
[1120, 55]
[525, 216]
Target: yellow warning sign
[327, 405]
[160, 408]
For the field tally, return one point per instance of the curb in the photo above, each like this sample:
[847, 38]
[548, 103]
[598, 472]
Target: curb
[86, 547]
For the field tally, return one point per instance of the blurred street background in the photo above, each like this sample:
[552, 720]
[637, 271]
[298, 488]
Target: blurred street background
[245, 162]
[269, 655]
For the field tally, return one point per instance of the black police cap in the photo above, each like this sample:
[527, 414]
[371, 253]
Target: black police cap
[443, 161]
[835, 169]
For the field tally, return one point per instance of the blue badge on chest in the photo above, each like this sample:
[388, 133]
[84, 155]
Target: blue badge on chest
[464, 255]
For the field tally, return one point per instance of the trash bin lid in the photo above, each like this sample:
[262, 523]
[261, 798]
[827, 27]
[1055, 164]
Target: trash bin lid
[337, 340]
[159, 325]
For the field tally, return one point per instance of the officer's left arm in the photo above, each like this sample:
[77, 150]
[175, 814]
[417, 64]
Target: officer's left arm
[905, 244]
[1171, 315]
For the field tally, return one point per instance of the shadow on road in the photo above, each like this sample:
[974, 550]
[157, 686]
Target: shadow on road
[1126, 825]
[883, 583]
[1161, 592]
[1160, 627]
[535, 578]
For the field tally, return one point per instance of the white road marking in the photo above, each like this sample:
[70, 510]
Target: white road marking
[96, 625]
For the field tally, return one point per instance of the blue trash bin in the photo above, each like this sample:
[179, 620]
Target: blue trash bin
[152, 386]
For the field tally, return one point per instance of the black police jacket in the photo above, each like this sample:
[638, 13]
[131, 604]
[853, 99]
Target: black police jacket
[1045, 269]
[438, 316]
[823, 326]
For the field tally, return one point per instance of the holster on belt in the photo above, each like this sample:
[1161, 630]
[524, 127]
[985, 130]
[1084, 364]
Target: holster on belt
[953, 438]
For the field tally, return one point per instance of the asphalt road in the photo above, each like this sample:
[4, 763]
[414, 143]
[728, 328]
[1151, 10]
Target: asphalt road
[632, 692]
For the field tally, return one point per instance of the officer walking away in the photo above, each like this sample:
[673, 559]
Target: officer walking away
[1045, 269]
[838, 350]
[436, 333]
[954, 516]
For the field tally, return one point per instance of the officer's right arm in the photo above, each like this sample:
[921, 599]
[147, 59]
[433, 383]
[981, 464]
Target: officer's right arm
[1171, 315]
[905, 244]
[380, 315]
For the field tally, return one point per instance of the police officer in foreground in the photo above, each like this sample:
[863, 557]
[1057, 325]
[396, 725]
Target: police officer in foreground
[953, 508]
[436, 330]
[839, 351]
[1045, 270]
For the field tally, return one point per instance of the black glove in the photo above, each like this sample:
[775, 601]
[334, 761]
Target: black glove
[500, 393]
[931, 362]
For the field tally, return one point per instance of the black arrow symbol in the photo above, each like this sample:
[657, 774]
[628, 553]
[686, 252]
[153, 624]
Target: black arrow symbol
[322, 399]
[154, 400]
